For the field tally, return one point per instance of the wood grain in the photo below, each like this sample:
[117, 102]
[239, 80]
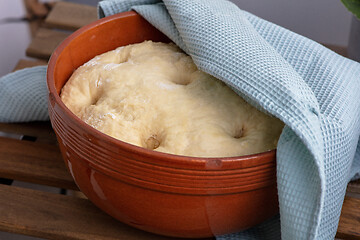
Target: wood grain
[349, 224]
[58, 217]
[54, 216]
[33, 162]
[45, 42]
[24, 63]
[70, 16]
[42, 131]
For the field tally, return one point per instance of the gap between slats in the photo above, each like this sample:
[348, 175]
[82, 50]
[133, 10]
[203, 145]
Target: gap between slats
[34, 162]
[64, 16]
[42, 46]
[41, 131]
[70, 16]
[349, 224]
[24, 63]
[57, 217]
[45, 42]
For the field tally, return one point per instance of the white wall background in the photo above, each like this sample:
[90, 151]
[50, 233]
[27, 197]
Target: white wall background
[14, 37]
[325, 21]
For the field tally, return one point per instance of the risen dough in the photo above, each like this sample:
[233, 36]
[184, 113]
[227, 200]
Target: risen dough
[152, 95]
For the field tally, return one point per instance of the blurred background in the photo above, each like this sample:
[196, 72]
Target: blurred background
[325, 21]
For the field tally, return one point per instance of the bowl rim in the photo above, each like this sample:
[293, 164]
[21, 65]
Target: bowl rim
[227, 162]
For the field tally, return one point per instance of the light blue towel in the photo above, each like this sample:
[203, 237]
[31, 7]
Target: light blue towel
[312, 89]
[23, 96]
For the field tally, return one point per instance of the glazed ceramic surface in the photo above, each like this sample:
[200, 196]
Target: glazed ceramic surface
[156, 192]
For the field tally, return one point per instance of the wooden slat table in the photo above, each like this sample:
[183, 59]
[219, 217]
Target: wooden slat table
[70, 16]
[29, 152]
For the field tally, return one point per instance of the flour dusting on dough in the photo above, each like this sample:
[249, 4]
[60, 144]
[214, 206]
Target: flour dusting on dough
[152, 95]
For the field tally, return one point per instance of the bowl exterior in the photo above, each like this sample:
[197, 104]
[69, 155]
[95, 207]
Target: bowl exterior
[170, 214]
[156, 192]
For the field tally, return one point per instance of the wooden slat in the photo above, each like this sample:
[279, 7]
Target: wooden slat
[353, 189]
[338, 49]
[36, 8]
[58, 217]
[45, 42]
[33, 162]
[24, 63]
[54, 216]
[42, 131]
[349, 224]
[354, 186]
[70, 16]
[36, 11]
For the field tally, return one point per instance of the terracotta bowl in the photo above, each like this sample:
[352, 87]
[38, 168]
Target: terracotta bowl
[156, 192]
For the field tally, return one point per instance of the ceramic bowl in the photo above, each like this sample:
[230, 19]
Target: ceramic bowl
[161, 193]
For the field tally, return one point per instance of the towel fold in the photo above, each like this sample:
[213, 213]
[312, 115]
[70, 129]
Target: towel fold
[313, 90]
[23, 96]
[310, 88]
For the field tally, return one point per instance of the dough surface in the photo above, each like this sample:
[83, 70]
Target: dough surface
[152, 95]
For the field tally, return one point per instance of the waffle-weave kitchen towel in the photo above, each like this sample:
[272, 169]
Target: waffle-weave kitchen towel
[23, 96]
[313, 90]
[310, 88]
